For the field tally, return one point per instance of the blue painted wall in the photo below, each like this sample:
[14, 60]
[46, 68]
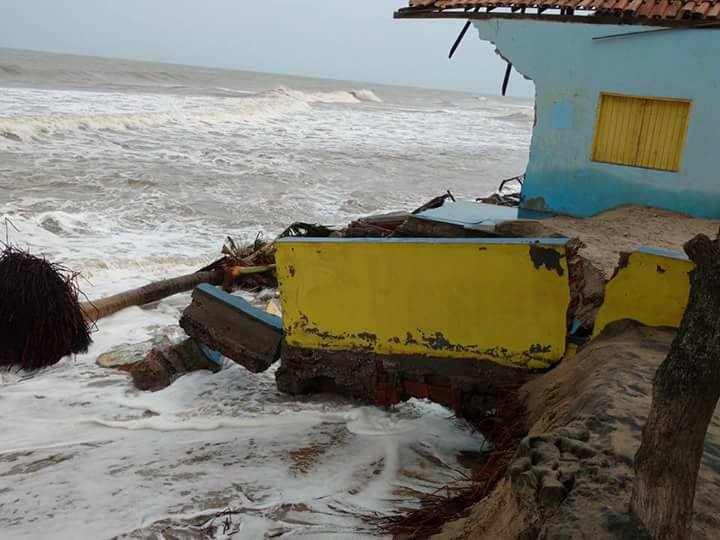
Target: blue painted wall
[570, 70]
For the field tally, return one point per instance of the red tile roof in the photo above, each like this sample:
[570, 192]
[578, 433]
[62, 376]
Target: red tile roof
[628, 11]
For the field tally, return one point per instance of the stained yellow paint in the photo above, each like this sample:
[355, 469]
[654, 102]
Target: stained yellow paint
[641, 131]
[441, 298]
[652, 289]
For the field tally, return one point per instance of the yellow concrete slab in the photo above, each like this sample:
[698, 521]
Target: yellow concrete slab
[652, 288]
[502, 300]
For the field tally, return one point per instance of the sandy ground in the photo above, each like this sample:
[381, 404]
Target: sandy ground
[622, 229]
[586, 418]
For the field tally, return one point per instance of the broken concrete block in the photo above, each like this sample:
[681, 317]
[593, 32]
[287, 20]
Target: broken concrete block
[551, 492]
[230, 325]
[152, 373]
[545, 473]
[567, 477]
[161, 366]
[545, 466]
[127, 355]
[576, 448]
[518, 467]
[545, 454]
[525, 486]
[576, 430]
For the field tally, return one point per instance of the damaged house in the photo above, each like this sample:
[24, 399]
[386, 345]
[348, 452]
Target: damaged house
[625, 101]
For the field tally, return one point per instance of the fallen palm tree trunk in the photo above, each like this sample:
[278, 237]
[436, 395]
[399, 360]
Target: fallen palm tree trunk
[146, 294]
[158, 290]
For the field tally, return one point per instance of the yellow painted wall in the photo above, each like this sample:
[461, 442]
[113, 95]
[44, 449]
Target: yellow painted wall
[446, 298]
[652, 289]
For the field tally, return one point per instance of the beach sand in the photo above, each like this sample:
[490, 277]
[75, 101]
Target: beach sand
[622, 229]
[592, 407]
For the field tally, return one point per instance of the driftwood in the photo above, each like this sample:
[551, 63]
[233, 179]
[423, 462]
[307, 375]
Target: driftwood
[376, 226]
[685, 394]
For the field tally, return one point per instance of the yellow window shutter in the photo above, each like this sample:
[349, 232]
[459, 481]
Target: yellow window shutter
[618, 129]
[640, 131]
[663, 134]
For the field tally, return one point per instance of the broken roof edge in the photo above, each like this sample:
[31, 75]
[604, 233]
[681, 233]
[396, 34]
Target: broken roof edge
[559, 15]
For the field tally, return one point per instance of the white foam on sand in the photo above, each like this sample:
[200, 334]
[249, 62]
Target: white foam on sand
[87, 456]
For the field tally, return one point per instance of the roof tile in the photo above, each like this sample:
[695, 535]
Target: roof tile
[628, 9]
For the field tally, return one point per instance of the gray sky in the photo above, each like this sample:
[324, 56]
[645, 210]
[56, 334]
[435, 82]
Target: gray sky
[339, 39]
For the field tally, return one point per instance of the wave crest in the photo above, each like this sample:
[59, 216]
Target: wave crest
[339, 96]
[243, 108]
[519, 116]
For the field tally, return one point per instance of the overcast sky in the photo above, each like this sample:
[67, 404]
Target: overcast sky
[339, 39]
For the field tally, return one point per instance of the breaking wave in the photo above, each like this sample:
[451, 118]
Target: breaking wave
[520, 116]
[51, 72]
[340, 96]
[245, 108]
[12, 69]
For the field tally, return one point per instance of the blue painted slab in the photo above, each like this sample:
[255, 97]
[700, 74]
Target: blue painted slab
[470, 214]
[214, 356]
[477, 216]
[242, 305]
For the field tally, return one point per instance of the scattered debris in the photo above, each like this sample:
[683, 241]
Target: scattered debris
[377, 226]
[435, 202]
[500, 198]
[164, 364]
[125, 357]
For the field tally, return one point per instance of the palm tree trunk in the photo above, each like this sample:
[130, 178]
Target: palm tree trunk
[153, 292]
[685, 394]
[97, 309]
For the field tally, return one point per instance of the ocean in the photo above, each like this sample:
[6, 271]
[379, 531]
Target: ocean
[129, 172]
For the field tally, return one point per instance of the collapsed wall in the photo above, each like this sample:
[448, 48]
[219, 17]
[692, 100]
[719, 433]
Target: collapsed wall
[447, 319]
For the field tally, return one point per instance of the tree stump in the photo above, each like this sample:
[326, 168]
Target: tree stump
[685, 393]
